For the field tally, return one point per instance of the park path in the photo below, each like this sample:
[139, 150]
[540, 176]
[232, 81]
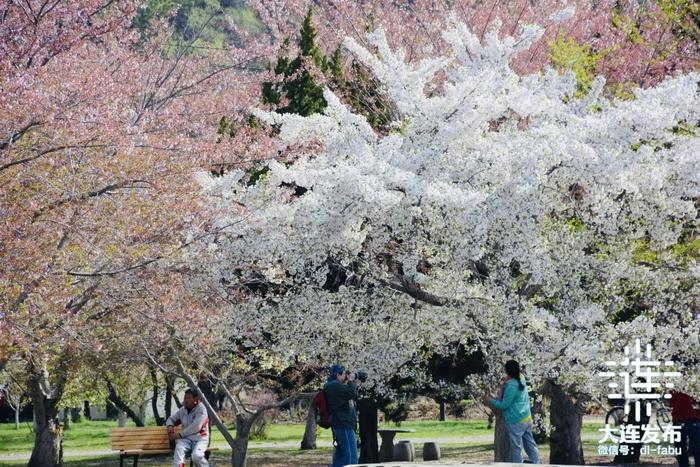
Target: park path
[276, 445]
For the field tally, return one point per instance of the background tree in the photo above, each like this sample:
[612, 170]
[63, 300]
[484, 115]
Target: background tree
[297, 90]
[97, 177]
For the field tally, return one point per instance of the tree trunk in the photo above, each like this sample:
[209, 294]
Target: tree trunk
[168, 398]
[66, 419]
[170, 393]
[18, 408]
[501, 442]
[122, 405]
[442, 410]
[48, 448]
[86, 410]
[239, 452]
[239, 448]
[154, 399]
[142, 412]
[369, 450]
[309, 441]
[566, 418]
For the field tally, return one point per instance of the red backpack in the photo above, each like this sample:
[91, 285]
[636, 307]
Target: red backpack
[322, 413]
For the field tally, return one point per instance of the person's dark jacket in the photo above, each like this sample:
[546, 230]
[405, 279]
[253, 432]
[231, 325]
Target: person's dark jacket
[338, 397]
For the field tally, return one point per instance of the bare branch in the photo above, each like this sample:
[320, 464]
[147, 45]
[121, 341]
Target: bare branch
[87, 195]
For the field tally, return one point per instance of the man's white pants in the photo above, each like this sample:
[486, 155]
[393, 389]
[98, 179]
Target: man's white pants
[196, 448]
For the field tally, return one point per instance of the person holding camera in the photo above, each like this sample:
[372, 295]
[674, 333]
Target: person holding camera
[341, 394]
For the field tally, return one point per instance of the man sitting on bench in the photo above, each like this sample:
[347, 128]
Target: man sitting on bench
[194, 437]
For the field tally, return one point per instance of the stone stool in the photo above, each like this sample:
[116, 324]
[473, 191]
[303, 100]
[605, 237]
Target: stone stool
[412, 449]
[431, 452]
[402, 451]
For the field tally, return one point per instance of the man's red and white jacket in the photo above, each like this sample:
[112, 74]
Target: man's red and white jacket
[195, 422]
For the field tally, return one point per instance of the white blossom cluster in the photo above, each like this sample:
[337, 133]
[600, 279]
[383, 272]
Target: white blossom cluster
[502, 210]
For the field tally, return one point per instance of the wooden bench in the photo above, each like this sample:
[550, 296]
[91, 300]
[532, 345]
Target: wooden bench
[144, 441]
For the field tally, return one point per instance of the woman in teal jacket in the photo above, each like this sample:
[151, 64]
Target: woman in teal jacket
[515, 404]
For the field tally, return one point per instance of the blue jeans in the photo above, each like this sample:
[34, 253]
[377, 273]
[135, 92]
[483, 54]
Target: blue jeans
[520, 433]
[690, 431]
[346, 451]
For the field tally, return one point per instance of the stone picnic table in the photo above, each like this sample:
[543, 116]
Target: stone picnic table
[386, 451]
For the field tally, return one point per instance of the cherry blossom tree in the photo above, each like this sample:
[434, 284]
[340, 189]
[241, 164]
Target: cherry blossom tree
[499, 201]
[501, 209]
[103, 136]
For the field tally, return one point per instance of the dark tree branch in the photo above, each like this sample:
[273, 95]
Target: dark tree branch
[87, 195]
[414, 290]
[49, 151]
[119, 403]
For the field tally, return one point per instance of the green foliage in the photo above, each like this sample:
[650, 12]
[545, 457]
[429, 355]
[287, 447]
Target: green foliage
[259, 429]
[297, 92]
[687, 249]
[656, 144]
[202, 22]
[150, 10]
[365, 96]
[684, 15]
[395, 412]
[629, 26]
[575, 224]
[643, 253]
[634, 303]
[336, 66]
[246, 18]
[624, 91]
[257, 175]
[253, 121]
[567, 54]
[297, 86]
[684, 129]
[307, 40]
[227, 127]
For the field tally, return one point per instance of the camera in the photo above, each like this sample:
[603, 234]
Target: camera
[361, 376]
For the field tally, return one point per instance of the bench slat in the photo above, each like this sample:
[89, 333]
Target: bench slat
[117, 446]
[140, 429]
[135, 452]
[153, 436]
[146, 447]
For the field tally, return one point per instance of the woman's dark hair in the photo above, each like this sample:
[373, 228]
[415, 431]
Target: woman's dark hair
[191, 392]
[513, 370]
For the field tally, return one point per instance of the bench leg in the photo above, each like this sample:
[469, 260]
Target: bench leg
[136, 460]
[121, 460]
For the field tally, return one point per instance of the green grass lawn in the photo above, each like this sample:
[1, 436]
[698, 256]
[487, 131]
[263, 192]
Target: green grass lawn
[477, 444]
[94, 435]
